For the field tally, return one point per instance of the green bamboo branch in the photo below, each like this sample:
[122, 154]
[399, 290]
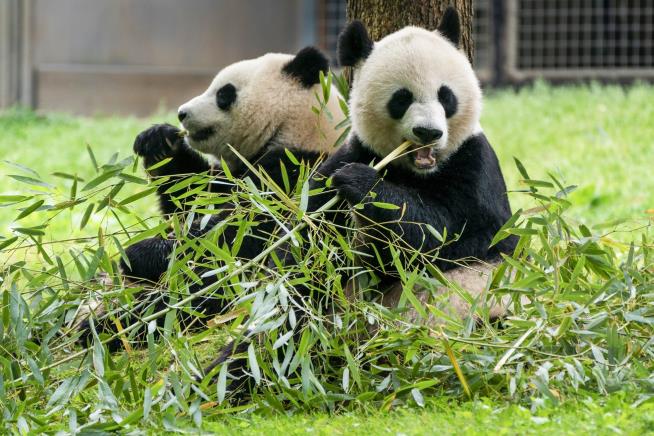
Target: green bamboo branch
[212, 287]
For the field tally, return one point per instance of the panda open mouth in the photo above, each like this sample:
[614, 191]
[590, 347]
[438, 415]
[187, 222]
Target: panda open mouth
[424, 157]
[203, 134]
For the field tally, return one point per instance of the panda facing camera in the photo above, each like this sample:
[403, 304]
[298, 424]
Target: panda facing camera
[417, 85]
[413, 85]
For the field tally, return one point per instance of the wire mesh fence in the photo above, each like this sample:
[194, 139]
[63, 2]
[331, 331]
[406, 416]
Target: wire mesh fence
[580, 38]
[517, 40]
[331, 19]
[483, 29]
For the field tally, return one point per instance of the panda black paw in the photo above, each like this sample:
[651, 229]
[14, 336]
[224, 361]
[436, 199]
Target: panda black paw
[354, 181]
[148, 259]
[86, 335]
[157, 143]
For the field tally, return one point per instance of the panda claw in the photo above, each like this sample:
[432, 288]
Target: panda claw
[354, 181]
[157, 142]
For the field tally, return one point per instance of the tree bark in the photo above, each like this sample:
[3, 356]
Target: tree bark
[382, 17]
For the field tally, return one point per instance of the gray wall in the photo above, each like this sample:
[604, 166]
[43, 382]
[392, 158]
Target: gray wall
[135, 56]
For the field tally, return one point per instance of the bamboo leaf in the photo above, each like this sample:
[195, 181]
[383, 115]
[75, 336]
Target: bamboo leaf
[30, 181]
[68, 176]
[99, 180]
[137, 196]
[254, 365]
[93, 160]
[222, 383]
[457, 368]
[29, 209]
[417, 396]
[86, 216]
[388, 206]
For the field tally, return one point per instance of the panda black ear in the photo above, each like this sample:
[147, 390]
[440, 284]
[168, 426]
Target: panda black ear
[354, 44]
[450, 26]
[306, 66]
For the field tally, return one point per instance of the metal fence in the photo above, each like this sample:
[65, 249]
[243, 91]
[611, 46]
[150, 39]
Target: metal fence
[517, 40]
[580, 39]
[332, 19]
[482, 34]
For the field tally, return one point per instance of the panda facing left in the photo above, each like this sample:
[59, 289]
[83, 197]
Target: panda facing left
[263, 108]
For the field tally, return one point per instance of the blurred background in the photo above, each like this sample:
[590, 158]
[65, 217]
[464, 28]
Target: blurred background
[135, 57]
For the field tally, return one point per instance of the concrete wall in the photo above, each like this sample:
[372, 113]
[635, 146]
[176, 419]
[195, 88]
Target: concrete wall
[135, 56]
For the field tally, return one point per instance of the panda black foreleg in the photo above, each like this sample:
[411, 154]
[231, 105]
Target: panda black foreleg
[147, 259]
[146, 262]
[454, 209]
[149, 297]
[163, 141]
[360, 184]
[240, 384]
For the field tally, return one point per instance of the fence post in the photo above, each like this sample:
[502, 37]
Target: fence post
[15, 60]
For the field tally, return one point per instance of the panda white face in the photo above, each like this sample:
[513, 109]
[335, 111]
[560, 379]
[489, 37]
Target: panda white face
[207, 117]
[258, 102]
[414, 85]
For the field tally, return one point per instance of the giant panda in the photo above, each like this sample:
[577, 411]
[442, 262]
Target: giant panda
[417, 85]
[414, 85]
[262, 107]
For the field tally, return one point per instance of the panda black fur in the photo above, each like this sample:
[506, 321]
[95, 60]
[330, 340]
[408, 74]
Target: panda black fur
[262, 107]
[417, 85]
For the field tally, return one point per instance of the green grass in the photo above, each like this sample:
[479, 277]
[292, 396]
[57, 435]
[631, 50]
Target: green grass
[598, 137]
[583, 417]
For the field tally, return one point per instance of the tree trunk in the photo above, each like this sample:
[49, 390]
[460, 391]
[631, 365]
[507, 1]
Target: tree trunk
[382, 17]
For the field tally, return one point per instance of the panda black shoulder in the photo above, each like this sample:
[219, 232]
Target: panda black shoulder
[288, 155]
[474, 156]
[273, 158]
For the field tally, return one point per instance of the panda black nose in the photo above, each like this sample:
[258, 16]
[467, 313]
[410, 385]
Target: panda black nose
[427, 135]
[181, 115]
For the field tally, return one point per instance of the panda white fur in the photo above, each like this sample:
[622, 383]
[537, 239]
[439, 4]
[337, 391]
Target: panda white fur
[261, 107]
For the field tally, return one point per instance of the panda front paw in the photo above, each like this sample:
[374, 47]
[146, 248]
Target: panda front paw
[157, 143]
[148, 259]
[354, 181]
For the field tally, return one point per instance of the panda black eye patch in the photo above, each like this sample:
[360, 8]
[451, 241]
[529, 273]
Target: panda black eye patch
[226, 96]
[448, 100]
[399, 103]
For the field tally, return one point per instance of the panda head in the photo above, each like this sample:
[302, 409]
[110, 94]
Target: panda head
[412, 85]
[259, 102]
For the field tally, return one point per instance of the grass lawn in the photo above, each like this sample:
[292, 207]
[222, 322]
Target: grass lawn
[600, 138]
[472, 418]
